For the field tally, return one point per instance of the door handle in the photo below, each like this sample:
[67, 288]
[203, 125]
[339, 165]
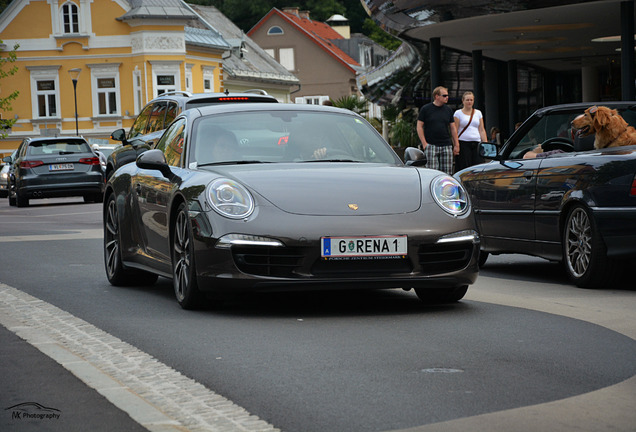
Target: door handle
[528, 174]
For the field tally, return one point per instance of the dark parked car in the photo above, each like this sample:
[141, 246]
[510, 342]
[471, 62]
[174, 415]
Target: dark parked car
[577, 207]
[157, 115]
[285, 197]
[47, 167]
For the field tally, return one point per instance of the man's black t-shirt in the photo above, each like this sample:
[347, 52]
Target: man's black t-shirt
[436, 123]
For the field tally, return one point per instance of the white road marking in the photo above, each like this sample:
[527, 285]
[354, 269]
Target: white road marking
[71, 235]
[156, 396]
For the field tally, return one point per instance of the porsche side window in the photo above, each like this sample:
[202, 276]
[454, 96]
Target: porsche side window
[172, 143]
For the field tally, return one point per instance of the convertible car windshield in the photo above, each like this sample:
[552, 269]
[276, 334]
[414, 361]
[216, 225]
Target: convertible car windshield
[282, 136]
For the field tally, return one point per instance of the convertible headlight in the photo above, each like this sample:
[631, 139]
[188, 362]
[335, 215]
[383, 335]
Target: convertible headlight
[230, 199]
[450, 195]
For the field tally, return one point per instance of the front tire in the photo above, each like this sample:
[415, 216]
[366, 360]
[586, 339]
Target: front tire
[440, 296]
[184, 275]
[584, 253]
[115, 272]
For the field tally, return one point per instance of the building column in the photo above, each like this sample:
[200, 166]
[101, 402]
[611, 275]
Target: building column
[478, 79]
[512, 95]
[589, 84]
[436, 62]
[627, 50]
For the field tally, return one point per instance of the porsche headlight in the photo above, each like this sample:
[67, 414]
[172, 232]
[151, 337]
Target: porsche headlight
[230, 199]
[450, 195]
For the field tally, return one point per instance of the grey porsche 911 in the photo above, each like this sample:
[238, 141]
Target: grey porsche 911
[284, 197]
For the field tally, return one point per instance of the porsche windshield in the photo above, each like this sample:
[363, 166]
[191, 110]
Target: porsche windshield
[287, 136]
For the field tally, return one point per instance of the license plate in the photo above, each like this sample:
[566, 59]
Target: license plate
[61, 167]
[364, 247]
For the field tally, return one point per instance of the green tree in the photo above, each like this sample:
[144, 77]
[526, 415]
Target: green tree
[7, 68]
[374, 32]
[352, 103]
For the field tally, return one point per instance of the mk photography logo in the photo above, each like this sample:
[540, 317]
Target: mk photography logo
[33, 411]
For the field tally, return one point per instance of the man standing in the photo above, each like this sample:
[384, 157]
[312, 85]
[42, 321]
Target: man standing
[438, 133]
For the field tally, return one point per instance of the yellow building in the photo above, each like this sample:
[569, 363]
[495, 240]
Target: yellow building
[125, 51]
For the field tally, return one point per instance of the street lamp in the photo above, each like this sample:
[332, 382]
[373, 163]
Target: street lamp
[74, 74]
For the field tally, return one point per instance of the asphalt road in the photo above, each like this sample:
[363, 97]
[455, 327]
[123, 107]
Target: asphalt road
[348, 361]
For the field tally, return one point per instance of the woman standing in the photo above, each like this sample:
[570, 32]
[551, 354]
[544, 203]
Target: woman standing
[471, 131]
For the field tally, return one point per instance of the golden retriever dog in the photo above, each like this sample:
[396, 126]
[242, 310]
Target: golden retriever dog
[610, 128]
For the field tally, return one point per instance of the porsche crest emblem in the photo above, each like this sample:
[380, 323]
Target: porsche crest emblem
[353, 206]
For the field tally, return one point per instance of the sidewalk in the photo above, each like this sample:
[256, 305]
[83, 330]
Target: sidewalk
[39, 394]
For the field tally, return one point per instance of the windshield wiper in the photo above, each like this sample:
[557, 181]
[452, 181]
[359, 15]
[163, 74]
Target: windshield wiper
[333, 160]
[236, 162]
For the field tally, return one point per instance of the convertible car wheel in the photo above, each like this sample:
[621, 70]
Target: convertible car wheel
[184, 273]
[438, 296]
[584, 253]
[115, 272]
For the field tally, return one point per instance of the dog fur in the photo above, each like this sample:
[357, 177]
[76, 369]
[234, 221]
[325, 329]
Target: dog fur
[610, 128]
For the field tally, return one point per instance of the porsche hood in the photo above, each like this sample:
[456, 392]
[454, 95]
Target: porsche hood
[337, 189]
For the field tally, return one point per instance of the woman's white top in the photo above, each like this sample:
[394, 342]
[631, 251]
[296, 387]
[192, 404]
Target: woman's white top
[472, 132]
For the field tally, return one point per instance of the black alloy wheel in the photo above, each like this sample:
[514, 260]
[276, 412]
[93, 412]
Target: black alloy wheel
[115, 272]
[584, 253]
[184, 276]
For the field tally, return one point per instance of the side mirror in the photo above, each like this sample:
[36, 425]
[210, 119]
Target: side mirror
[488, 150]
[154, 160]
[414, 157]
[119, 135]
[7, 159]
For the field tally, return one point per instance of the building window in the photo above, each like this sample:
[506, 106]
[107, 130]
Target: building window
[270, 52]
[275, 30]
[70, 18]
[105, 86]
[287, 58]
[208, 79]
[166, 77]
[45, 91]
[188, 78]
[165, 83]
[137, 91]
[311, 100]
[106, 96]
[47, 98]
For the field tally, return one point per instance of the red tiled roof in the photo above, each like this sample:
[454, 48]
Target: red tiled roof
[319, 32]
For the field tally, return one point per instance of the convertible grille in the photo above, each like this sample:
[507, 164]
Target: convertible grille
[445, 257]
[267, 261]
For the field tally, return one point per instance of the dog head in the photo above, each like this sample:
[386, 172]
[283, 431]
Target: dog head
[593, 119]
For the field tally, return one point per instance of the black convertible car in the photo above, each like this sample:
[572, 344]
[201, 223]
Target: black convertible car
[272, 197]
[577, 206]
